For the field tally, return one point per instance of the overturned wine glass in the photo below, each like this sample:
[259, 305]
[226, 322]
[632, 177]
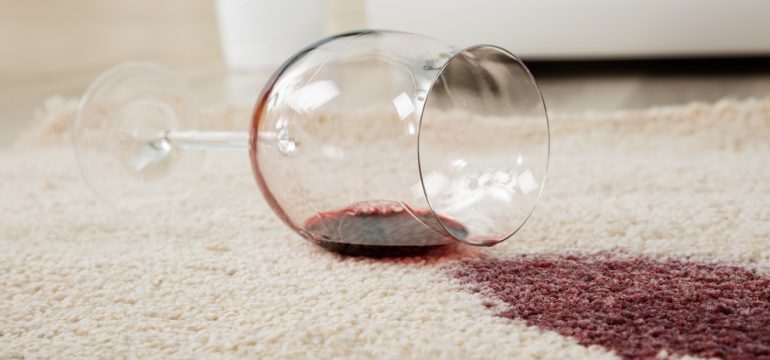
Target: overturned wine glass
[437, 144]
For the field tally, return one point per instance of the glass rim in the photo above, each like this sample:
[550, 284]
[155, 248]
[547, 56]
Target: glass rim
[531, 78]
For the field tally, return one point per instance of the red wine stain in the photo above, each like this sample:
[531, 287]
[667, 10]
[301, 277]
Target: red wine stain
[380, 230]
[635, 306]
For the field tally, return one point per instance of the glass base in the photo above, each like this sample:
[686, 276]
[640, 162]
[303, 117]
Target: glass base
[120, 135]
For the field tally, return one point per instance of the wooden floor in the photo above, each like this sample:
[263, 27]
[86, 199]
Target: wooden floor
[57, 48]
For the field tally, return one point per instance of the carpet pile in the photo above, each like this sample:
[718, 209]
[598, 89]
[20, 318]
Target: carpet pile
[652, 238]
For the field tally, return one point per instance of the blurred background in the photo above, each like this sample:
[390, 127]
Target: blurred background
[592, 55]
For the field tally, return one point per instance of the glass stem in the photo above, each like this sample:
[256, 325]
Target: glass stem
[193, 139]
[158, 149]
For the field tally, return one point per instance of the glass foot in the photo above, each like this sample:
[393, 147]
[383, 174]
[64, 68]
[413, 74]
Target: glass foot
[120, 135]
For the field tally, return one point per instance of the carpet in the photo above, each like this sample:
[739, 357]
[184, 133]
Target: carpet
[652, 238]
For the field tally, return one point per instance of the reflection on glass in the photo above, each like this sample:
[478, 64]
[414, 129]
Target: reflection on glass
[313, 95]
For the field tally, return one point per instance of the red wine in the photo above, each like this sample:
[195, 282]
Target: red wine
[636, 306]
[379, 230]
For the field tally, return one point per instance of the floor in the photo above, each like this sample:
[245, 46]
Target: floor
[616, 85]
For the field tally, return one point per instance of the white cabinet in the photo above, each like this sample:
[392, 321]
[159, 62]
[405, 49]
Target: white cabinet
[551, 29]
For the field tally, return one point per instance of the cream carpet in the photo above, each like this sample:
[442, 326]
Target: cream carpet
[218, 275]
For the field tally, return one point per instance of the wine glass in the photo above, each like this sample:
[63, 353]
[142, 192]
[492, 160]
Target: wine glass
[375, 139]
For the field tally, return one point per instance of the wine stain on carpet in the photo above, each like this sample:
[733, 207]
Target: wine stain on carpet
[636, 306]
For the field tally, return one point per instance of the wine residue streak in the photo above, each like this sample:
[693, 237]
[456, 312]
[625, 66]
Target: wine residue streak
[380, 230]
[636, 306]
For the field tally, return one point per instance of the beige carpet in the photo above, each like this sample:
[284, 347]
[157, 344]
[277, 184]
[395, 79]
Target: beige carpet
[217, 275]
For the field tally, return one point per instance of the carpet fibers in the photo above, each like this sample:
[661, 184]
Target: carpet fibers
[652, 239]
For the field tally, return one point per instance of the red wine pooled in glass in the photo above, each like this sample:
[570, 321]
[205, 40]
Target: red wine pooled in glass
[380, 229]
